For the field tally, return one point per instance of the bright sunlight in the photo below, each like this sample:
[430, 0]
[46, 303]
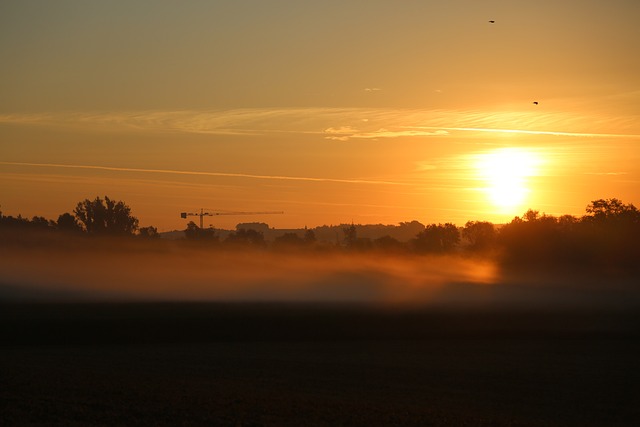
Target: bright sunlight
[505, 174]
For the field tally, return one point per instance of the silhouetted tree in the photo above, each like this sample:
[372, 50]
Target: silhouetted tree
[481, 235]
[193, 232]
[67, 223]
[105, 217]
[388, 244]
[531, 215]
[148, 233]
[605, 240]
[309, 237]
[260, 227]
[41, 223]
[528, 239]
[10, 222]
[610, 210]
[408, 230]
[568, 222]
[612, 231]
[288, 240]
[245, 236]
[350, 236]
[37, 223]
[437, 238]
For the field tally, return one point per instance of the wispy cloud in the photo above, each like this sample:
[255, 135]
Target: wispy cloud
[425, 166]
[529, 132]
[607, 173]
[346, 133]
[344, 123]
[200, 173]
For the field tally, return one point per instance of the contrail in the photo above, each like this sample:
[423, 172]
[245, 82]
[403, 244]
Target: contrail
[528, 132]
[197, 173]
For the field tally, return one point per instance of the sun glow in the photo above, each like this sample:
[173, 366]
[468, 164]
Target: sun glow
[505, 173]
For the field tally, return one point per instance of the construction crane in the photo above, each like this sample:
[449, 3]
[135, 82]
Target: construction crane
[202, 214]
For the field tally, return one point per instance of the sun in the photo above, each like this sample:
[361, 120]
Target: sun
[505, 173]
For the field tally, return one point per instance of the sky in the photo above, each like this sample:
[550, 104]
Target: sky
[330, 111]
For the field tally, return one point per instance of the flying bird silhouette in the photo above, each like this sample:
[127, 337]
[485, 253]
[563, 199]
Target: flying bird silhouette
[492, 22]
[535, 102]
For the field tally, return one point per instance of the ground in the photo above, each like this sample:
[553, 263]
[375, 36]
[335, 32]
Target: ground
[139, 364]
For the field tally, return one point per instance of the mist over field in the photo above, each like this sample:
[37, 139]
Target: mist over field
[537, 322]
[145, 271]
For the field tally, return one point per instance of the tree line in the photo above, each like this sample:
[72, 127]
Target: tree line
[98, 217]
[607, 235]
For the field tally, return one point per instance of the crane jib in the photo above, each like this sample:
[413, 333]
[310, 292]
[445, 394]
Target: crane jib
[202, 214]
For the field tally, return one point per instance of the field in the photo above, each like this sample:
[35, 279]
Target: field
[294, 364]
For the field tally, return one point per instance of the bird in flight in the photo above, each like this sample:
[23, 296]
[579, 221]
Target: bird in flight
[492, 22]
[535, 102]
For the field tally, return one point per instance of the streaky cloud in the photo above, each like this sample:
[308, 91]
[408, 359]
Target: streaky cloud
[347, 133]
[201, 173]
[607, 173]
[342, 123]
[529, 132]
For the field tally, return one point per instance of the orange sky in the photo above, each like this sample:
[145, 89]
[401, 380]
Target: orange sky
[330, 111]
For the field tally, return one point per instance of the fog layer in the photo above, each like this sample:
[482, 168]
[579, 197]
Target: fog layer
[188, 273]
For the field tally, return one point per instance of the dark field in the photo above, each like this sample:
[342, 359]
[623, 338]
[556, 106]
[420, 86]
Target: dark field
[316, 365]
